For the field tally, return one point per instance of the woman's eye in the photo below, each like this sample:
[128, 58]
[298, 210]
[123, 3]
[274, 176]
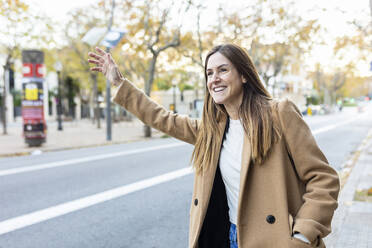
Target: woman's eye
[209, 73]
[223, 69]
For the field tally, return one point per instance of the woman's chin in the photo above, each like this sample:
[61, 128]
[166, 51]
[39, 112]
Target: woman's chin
[218, 98]
[218, 101]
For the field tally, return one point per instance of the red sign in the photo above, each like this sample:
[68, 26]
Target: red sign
[27, 70]
[33, 70]
[39, 70]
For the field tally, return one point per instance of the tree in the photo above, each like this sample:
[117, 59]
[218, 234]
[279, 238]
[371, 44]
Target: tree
[18, 30]
[74, 55]
[195, 46]
[336, 84]
[342, 79]
[150, 34]
[276, 36]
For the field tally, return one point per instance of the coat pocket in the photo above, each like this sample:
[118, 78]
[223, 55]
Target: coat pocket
[296, 243]
[293, 241]
[291, 223]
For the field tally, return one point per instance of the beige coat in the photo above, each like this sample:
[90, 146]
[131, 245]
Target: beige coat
[294, 190]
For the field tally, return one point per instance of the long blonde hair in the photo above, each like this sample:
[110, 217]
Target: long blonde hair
[255, 112]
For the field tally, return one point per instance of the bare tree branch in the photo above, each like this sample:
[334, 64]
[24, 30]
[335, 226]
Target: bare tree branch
[200, 44]
[147, 28]
[160, 27]
[174, 43]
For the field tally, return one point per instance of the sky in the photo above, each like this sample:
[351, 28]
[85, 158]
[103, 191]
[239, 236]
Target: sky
[333, 14]
[59, 9]
[333, 18]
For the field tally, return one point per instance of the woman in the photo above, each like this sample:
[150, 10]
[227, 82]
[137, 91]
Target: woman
[260, 178]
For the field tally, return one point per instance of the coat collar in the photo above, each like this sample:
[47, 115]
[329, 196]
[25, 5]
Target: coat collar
[245, 165]
[208, 175]
[210, 172]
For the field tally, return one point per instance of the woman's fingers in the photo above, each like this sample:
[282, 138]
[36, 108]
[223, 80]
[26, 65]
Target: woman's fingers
[102, 60]
[94, 61]
[93, 55]
[96, 69]
[97, 57]
[100, 51]
[110, 58]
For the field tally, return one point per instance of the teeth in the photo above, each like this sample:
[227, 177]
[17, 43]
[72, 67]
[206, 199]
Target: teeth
[218, 89]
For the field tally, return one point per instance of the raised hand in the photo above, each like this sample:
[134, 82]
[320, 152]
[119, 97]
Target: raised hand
[105, 64]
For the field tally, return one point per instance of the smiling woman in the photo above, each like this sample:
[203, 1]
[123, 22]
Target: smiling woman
[224, 83]
[260, 178]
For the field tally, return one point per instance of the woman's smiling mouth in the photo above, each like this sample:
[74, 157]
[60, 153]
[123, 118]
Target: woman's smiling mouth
[219, 89]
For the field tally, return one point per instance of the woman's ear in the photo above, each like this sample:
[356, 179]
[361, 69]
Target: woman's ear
[243, 79]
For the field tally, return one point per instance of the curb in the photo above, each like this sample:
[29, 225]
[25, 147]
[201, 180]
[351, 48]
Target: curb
[348, 166]
[349, 182]
[107, 143]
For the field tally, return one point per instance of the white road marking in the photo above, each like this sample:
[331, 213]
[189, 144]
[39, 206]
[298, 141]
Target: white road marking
[68, 207]
[83, 160]
[116, 154]
[327, 128]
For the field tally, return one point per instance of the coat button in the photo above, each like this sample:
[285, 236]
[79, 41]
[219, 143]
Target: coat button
[270, 219]
[196, 202]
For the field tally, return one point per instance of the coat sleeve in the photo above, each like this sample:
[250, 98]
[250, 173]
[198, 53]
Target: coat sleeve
[135, 101]
[322, 182]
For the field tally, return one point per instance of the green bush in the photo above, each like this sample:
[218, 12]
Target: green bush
[349, 104]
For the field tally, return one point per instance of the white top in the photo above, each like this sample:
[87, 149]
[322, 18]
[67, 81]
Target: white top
[230, 164]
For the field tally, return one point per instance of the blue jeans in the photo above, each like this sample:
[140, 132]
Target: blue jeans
[233, 236]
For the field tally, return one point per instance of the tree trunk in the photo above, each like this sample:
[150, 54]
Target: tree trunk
[147, 131]
[91, 107]
[3, 109]
[148, 86]
[97, 114]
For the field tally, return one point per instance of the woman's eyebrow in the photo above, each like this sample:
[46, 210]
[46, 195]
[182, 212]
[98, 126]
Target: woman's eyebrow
[217, 67]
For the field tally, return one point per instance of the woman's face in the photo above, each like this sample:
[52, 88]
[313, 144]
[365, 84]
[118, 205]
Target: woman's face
[224, 83]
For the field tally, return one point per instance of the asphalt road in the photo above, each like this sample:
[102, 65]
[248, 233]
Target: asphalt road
[103, 196]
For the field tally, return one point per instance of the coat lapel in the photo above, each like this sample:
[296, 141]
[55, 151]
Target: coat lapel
[208, 179]
[209, 175]
[246, 162]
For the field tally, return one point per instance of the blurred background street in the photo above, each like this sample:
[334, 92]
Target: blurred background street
[105, 196]
[75, 134]
[79, 171]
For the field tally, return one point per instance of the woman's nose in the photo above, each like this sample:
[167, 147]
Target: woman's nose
[215, 77]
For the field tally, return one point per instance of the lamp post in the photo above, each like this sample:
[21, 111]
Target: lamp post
[58, 67]
[108, 85]
[110, 40]
[4, 107]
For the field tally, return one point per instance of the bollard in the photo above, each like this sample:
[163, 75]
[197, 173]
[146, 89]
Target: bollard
[309, 111]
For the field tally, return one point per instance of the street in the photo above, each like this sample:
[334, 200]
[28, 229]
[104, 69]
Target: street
[112, 196]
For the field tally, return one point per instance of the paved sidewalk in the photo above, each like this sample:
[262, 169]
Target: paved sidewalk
[352, 223]
[75, 134]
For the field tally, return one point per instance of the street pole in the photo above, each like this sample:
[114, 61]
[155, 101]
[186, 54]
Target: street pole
[97, 112]
[108, 85]
[59, 104]
[3, 111]
[174, 98]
